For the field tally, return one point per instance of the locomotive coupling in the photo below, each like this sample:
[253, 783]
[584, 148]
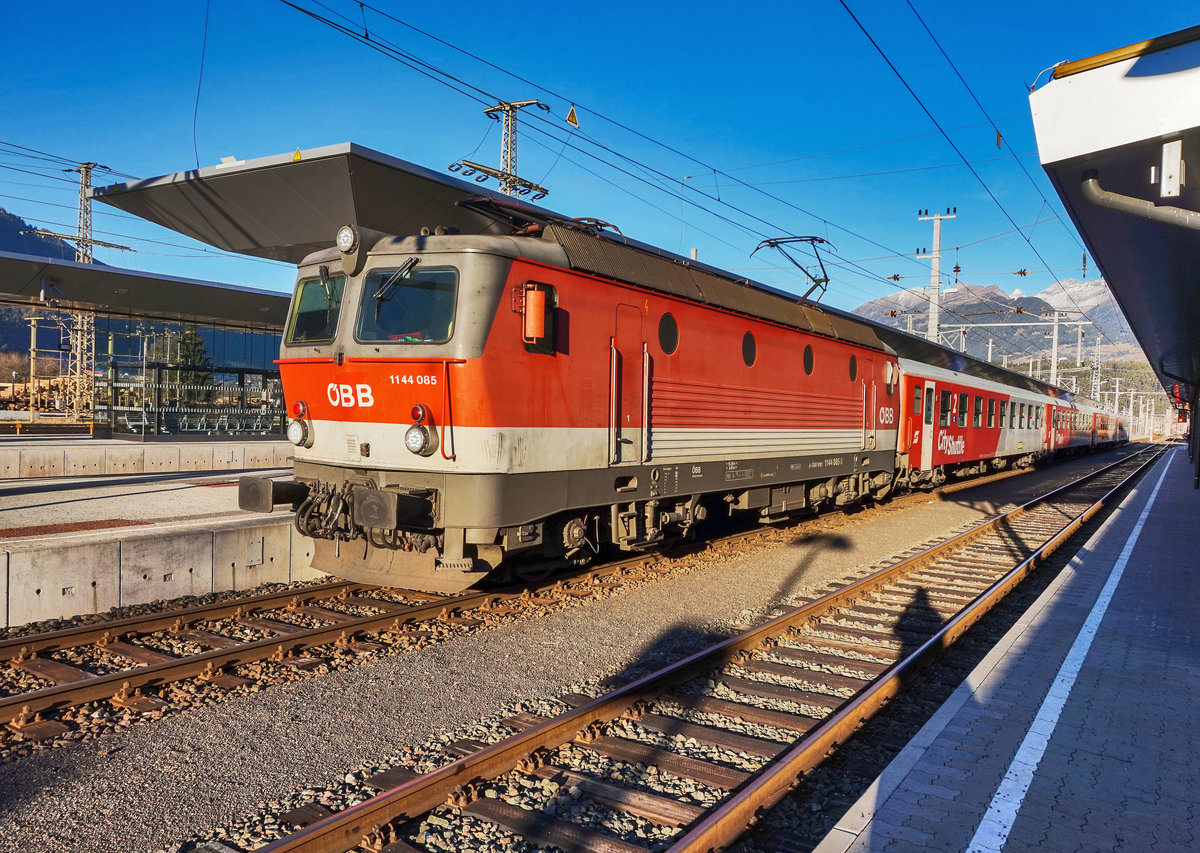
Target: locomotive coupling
[260, 494]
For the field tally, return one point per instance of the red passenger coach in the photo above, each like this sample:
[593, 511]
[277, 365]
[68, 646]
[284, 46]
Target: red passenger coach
[962, 424]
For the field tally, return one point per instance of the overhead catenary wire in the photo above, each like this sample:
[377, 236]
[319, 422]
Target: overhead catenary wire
[955, 148]
[455, 82]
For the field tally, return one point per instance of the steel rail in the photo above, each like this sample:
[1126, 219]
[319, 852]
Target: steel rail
[211, 663]
[347, 829]
[82, 635]
[729, 820]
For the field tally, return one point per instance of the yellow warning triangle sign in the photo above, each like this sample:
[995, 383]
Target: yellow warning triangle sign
[572, 119]
[296, 158]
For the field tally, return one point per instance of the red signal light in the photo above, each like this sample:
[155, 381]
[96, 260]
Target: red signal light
[299, 409]
[419, 413]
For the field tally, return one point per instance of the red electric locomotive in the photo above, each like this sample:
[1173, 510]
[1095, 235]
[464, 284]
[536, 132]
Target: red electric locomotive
[459, 399]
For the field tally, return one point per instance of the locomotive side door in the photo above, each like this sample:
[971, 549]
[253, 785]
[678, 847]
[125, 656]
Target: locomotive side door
[626, 392]
[870, 403]
[928, 429]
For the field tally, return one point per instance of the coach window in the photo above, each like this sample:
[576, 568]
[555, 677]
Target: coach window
[944, 413]
[929, 406]
[853, 368]
[962, 410]
[808, 360]
[977, 420]
[991, 412]
[916, 406]
[749, 349]
[1012, 415]
[1003, 412]
[668, 334]
[1021, 417]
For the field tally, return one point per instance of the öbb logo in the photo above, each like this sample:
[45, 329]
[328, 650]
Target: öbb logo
[952, 446]
[348, 396]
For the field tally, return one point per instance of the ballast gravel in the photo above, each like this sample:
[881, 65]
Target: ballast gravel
[149, 786]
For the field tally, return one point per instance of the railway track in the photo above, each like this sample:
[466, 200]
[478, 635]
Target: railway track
[130, 662]
[728, 731]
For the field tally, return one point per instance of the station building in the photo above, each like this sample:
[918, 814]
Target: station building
[140, 355]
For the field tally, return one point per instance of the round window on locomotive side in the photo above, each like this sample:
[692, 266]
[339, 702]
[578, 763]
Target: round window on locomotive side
[668, 334]
[749, 349]
[853, 368]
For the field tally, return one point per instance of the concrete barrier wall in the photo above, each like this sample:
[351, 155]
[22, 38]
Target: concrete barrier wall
[81, 460]
[65, 576]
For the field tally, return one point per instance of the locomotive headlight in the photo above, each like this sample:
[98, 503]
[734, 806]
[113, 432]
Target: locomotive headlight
[419, 440]
[298, 433]
[347, 239]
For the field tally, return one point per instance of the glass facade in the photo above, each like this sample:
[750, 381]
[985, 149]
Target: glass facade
[155, 378]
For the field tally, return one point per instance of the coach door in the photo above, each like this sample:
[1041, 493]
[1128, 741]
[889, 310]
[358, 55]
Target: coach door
[927, 430]
[627, 371]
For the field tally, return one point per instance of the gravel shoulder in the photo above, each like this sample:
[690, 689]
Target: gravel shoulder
[153, 784]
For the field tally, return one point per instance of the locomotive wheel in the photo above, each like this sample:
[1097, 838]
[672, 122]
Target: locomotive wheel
[572, 536]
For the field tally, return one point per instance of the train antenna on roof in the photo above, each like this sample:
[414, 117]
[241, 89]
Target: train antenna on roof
[780, 243]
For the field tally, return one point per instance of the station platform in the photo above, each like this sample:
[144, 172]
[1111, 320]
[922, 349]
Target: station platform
[27, 456]
[159, 526]
[1080, 730]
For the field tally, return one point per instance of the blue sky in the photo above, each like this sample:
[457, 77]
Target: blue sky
[810, 131]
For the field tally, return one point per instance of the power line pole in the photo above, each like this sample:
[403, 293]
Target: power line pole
[81, 352]
[1054, 352]
[83, 246]
[935, 270]
[506, 113]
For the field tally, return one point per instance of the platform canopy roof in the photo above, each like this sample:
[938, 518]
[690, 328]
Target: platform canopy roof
[287, 206]
[33, 280]
[1114, 134]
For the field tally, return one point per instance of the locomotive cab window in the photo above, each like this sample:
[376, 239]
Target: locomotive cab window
[408, 305]
[315, 309]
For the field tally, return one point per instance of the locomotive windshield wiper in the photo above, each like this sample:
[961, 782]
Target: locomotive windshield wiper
[385, 290]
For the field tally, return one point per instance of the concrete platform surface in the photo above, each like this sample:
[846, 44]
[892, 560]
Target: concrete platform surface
[29, 504]
[1080, 730]
[74, 545]
[40, 456]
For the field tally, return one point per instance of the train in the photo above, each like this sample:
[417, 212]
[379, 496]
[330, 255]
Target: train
[465, 403]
